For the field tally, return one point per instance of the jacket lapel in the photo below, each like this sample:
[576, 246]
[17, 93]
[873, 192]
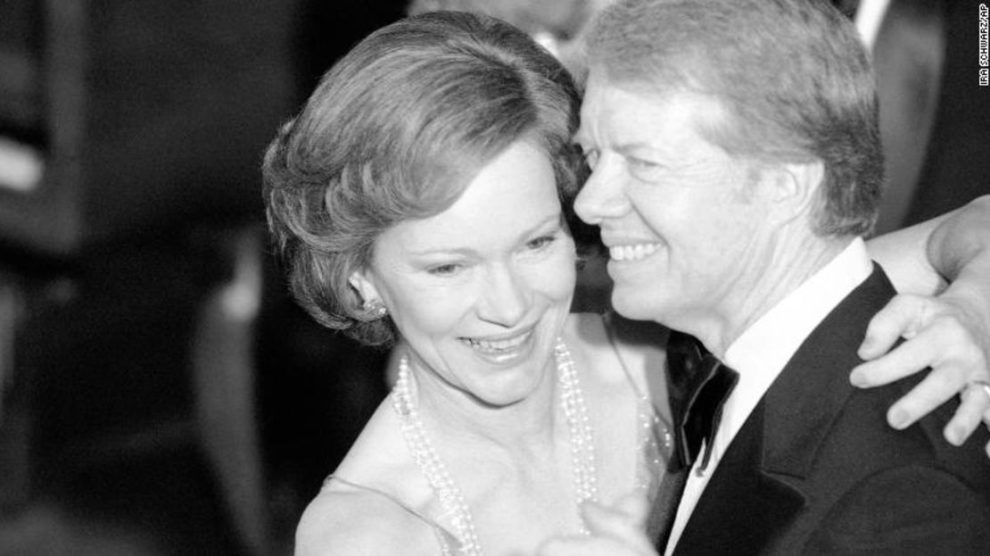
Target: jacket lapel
[742, 507]
[756, 490]
[809, 394]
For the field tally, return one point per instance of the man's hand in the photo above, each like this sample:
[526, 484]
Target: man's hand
[615, 530]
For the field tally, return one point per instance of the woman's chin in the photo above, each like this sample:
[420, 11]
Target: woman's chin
[508, 386]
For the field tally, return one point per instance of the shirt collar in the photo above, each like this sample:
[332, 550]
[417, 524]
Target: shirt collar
[762, 351]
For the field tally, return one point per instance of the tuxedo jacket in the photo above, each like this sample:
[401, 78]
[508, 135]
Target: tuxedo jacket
[816, 469]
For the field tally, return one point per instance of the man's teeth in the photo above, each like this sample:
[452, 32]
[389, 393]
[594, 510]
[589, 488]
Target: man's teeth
[500, 345]
[632, 252]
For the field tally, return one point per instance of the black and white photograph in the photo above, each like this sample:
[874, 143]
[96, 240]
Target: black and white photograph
[494, 277]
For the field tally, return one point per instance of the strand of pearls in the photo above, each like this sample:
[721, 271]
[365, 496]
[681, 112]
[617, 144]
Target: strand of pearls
[449, 494]
[579, 427]
[433, 468]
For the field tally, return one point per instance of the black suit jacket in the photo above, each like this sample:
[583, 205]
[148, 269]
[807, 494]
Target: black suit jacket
[816, 468]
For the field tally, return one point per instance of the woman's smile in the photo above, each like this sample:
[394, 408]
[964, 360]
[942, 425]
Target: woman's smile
[502, 351]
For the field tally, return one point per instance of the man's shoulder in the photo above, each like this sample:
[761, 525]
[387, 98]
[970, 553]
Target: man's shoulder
[861, 431]
[866, 476]
[812, 403]
[832, 440]
[864, 482]
[912, 507]
[841, 432]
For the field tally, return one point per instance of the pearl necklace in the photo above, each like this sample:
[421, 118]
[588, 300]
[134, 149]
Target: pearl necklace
[449, 494]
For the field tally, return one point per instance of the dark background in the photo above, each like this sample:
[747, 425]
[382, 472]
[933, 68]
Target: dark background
[159, 393]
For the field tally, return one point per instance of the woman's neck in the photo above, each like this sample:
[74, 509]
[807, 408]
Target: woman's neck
[531, 425]
[509, 467]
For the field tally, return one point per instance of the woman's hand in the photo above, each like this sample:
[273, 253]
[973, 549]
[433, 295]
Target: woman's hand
[946, 334]
[949, 333]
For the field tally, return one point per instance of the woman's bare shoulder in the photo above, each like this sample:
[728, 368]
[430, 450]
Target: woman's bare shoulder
[345, 521]
[640, 345]
[620, 349]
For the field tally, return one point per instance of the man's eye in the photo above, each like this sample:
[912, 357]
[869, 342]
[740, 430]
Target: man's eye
[645, 170]
[444, 269]
[642, 164]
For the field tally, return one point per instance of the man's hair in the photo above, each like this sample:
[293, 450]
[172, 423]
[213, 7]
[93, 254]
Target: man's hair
[792, 76]
[395, 131]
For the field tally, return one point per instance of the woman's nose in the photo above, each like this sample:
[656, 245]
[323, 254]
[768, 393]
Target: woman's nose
[505, 299]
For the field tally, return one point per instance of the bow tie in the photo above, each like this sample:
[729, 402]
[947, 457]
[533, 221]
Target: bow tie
[699, 384]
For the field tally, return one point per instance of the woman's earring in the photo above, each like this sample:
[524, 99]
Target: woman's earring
[376, 309]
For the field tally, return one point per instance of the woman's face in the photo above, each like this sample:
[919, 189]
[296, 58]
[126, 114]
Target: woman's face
[480, 291]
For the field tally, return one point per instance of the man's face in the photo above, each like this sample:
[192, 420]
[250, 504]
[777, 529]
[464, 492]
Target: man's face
[676, 212]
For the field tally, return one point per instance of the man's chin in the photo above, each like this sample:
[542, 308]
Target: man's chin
[633, 307]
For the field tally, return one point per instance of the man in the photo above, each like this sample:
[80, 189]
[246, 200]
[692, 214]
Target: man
[736, 165]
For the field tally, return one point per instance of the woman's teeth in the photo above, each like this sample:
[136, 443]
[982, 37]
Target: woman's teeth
[498, 345]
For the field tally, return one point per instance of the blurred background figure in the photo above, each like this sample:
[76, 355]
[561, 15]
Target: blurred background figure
[556, 24]
[934, 116]
[158, 394]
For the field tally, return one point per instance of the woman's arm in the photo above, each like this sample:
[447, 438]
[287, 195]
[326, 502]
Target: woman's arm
[903, 254]
[949, 333]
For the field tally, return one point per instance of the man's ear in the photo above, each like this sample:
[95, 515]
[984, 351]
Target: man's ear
[364, 287]
[793, 187]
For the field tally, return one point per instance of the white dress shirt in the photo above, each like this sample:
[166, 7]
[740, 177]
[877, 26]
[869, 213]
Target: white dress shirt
[762, 351]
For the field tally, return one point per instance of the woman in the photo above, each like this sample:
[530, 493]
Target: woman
[453, 159]
[421, 194]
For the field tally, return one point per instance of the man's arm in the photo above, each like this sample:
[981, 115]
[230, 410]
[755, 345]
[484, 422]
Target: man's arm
[949, 333]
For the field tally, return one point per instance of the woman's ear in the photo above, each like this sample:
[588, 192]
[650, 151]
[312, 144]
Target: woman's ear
[364, 287]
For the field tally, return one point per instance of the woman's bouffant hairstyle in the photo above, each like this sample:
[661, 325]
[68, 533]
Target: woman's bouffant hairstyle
[396, 130]
[793, 77]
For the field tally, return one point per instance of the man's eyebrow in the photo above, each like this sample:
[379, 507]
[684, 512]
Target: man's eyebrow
[658, 149]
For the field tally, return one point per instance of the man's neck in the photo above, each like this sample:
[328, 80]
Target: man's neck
[790, 261]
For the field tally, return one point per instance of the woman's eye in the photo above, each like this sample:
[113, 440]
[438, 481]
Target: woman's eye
[541, 242]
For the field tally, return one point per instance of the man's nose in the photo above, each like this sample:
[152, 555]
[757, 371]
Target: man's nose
[602, 196]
